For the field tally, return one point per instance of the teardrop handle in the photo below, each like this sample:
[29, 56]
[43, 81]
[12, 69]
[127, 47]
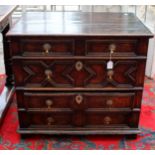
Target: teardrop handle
[46, 48]
[112, 48]
[50, 120]
[48, 74]
[109, 102]
[49, 103]
[110, 74]
[107, 120]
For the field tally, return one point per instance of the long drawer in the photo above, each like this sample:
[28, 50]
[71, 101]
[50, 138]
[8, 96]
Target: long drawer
[50, 101]
[82, 73]
[77, 119]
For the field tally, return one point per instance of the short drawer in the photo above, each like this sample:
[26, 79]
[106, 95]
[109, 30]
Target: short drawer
[118, 47]
[129, 119]
[47, 47]
[110, 100]
[79, 46]
[41, 101]
[45, 119]
[81, 73]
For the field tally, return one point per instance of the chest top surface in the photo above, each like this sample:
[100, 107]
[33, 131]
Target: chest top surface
[79, 23]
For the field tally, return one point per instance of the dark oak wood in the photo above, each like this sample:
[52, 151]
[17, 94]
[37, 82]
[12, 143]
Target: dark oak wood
[82, 131]
[8, 91]
[64, 74]
[7, 58]
[79, 24]
[80, 46]
[70, 118]
[63, 84]
[40, 101]
[51, 102]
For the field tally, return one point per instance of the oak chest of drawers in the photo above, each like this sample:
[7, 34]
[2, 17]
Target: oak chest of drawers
[79, 73]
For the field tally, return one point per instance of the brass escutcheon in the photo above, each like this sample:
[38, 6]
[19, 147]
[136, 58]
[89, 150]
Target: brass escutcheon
[78, 65]
[79, 99]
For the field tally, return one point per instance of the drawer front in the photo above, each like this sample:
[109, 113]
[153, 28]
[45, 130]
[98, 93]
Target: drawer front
[81, 46]
[45, 119]
[77, 119]
[117, 47]
[112, 119]
[49, 101]
[47, 47]
[79, 73]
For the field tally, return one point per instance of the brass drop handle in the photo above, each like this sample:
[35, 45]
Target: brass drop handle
[49, 103]
[46, 48]
[109, 102]
[50, 120]
[79, 99]
[107, 120]
[48, 74]
[112, 48]
[79, 65]
[110, 74]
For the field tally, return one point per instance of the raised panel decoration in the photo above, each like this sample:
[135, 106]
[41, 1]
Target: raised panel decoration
[67, 73]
